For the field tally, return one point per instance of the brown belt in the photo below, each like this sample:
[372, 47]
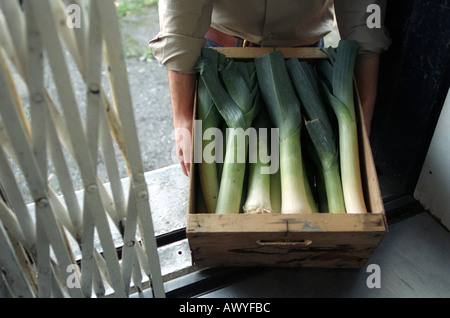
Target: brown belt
[226, 40]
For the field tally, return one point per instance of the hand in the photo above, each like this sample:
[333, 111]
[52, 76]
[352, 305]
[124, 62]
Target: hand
[183, 139]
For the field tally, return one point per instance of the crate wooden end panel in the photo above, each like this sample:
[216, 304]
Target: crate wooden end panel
[318, 240]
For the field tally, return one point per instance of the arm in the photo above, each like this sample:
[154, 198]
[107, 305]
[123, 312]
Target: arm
[182, 90]
[178, 46]
[352, 22]
[366, 74]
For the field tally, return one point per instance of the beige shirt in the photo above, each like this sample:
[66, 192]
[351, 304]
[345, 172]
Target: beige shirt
[271, 23]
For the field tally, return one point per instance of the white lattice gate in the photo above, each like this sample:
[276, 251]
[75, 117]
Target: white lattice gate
[49, 127]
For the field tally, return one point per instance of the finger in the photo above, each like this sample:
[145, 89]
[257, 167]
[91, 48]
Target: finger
[184, 169]
[187, 156]
[188, 169]
[187, 159]
[182, 162]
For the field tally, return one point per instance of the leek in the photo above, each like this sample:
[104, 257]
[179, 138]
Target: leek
[337, 85]
[284, 111]
[238, 101]
[210, 118]
[258, 199]
[320, 130]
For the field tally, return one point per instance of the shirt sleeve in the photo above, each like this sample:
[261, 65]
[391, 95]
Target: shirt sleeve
[182, 29]
[359, 20]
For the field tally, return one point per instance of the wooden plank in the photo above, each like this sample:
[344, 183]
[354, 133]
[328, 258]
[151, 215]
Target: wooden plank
[329, 249]
[288, 52]
[244, 52]
[371, 186]
[283, 224]
[306, 53]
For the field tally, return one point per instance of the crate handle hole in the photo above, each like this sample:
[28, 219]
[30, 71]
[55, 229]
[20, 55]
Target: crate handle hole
[300, 243]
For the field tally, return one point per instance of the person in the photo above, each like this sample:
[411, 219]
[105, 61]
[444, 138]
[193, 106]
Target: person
[185, 26]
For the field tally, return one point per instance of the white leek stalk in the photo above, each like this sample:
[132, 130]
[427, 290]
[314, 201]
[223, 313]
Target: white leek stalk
[259, 184]
[337, 85]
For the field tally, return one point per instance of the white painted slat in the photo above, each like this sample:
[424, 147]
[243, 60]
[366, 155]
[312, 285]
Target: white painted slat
[123, 102]
[43, 260]
[82, 32]
[112, 167]
[36, 92]
[11, 223]
[16, 27]
[137, 275]
[88, 261]
[102, 267]
[93, 81]
[11, 268]
[58, 283]
[64, 179]
[97, 280]
[16, 201]
[75, 44]
[129, 246]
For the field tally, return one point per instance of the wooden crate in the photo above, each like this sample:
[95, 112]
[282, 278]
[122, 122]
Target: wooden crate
[317, 240]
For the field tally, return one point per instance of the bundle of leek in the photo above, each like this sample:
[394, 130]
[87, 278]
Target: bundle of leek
[319, 128]
[337, 84]
[284, 110]
[238, 101]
